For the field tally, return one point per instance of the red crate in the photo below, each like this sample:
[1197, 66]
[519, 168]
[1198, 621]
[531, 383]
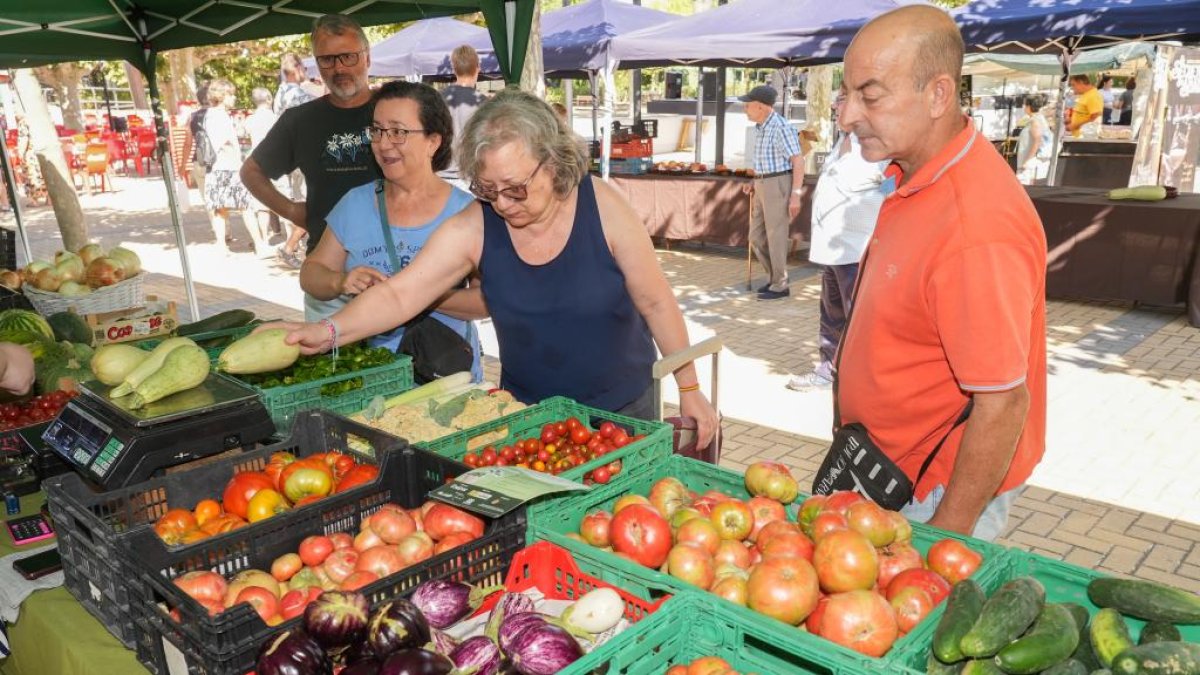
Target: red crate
[637, 147]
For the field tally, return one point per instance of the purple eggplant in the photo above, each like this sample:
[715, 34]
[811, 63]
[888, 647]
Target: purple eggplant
[442, 642]
[395, 626]
[293, 652]
[337, 618]
[479, 652]
[544, 650]
[515, 624]
[445, 603]
[369, 666]
[416, 662]
[510, 603]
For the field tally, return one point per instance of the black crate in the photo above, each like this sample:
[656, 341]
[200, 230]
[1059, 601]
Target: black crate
[227, 644]
[91, 524]
[8, 249]
[10, 299]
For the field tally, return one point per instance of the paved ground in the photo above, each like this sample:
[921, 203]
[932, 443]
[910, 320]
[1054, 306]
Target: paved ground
[1117, 490]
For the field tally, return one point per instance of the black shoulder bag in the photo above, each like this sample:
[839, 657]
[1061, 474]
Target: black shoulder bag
[854, 462]
[436, 349]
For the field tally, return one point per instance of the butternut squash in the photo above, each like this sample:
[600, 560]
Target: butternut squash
[184, 367]
[150, 365]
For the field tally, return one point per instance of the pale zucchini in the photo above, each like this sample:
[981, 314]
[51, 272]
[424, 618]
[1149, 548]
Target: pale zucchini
[184, 368]
[263, 352]
[150, 365]
[1142, 193]
[112, 363]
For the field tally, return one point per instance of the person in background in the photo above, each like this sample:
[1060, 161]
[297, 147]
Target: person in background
[16, 369]
[1107, 95]
[257, 125]
[561, 111]
[411, 136]
[569, 275]
[325, 139]
[845, 206]
[1125, 103]
[778, 180]
[1088, 106]
[950, 316]
[463, 100]
[223, 188]
[293, 78]
[1034, 143]
[195, 126]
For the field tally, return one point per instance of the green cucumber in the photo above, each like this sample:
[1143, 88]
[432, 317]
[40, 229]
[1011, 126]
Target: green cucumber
[1004, 617]
[1052, 640]
[1080, 613]
[1159, 658]
[1084, 652]
[1146, 600]
[1102, 671]
[1159, 631]
[981, 667]
[234, 318]
[1110, 635]
[935, 667]
[962, 609]
[1068, 667]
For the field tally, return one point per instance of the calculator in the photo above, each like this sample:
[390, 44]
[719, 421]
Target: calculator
[29, 529]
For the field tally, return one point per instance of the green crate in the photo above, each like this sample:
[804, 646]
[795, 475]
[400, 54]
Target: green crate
[1064, 582]
[694, 624]
[387, 380]
[528, 423]
[199, 338]
[569, 511]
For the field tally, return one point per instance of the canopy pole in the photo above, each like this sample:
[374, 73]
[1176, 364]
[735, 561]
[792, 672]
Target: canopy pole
[10, 184]
[606, 129]
[595, 111]
[719, 97]
[699, 109]
[1061, 125]
[168, 169]
[569, 100]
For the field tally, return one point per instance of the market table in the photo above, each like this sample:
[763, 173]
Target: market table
[1120, 250]
[55, 634]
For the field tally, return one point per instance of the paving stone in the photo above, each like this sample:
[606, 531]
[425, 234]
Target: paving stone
[1029, 541]
[1082, 541]
[1186, 583]
[1040, 524]
[1078, 504]
[1083, 558]
[1164, 558]
[1158, 537]
[1079, 523]
[1122, 559]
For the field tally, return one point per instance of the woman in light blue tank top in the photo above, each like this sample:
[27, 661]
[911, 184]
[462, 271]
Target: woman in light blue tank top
[411, 135]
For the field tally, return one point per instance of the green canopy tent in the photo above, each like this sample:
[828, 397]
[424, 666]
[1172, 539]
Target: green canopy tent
[40, 32]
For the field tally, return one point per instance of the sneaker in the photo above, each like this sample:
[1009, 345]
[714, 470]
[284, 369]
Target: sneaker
[290, 259]
[808, 382]
[763, 289]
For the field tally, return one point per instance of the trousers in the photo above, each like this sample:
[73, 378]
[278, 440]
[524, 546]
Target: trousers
[769, 224]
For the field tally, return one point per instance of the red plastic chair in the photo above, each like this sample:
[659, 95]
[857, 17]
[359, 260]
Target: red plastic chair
[146, 145]
[116, 150]
[75, 158]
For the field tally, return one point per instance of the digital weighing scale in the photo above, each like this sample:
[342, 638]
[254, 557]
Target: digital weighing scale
[113, 446]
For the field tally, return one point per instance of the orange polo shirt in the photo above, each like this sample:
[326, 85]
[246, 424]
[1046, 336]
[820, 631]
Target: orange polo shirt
[951, 301]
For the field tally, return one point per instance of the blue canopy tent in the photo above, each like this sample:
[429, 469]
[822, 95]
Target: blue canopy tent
[1064, 27]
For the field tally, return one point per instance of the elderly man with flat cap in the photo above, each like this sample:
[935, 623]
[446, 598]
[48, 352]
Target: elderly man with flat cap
[778, 179]
[946, 343]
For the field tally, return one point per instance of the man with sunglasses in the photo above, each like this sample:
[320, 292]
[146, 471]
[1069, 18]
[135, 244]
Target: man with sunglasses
[324, 138]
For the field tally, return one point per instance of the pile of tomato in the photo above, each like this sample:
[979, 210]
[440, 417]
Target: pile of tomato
[250, 496]
[40, 408]
[561, 446]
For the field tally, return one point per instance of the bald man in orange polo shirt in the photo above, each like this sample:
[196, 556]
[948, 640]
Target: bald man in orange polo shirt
[951, 299]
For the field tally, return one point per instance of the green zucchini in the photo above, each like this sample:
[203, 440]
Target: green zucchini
[1068, 667]
[1052, 640]
[981, 667]
[1080, 613]
[1145, 600]
[1110, 635]
[935, 667]
[1159, 658]
[962, 609]
[1004, 617]
[234, 318]
[1159, 631]
[1084, 652]
[1143, 193]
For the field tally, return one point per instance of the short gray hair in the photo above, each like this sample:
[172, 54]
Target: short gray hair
[514, 115]
[261, 96]
[338, 24]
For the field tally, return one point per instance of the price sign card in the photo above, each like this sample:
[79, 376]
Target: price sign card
[495, 490]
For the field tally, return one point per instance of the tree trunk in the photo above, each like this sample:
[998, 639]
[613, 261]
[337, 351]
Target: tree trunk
[818, 90]
[533, 75]
[181, 64]
[73, 110]
[59, 183]
[137, 86]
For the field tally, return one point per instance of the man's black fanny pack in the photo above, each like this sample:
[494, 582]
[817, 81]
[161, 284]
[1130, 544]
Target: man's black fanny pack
[854, 462]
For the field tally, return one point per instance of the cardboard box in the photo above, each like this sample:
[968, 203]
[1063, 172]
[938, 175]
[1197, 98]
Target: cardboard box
[154, 320]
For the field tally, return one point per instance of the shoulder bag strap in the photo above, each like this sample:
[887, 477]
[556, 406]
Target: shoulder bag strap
[388, 242]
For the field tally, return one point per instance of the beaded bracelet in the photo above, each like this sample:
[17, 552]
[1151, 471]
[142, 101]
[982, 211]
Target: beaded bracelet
[333, 336]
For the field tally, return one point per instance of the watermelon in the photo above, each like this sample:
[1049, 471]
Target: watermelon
[71, 327]
[25, 320]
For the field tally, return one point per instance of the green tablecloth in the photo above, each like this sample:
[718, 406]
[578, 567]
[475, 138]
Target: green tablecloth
[55, 634]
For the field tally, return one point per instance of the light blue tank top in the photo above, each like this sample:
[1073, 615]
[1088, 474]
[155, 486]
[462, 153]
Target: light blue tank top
[355, 221]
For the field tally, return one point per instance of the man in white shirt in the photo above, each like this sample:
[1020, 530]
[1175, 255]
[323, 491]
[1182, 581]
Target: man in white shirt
[845, 205]
[257, 124]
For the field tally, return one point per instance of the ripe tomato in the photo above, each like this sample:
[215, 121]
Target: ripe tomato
[174, 524]
[931, 582]
[641, 533]
[602, 475]
[860, 620]
[508, 454]
[580, 435]
[548, 434]
[783, 589]
[607, 429]
[560, 428]
[359, 475]
[488, 458]
[619, 438]
[443, 520]
[206, 510]
[846, 561]
[241, 488]
[471, 459]
[573, 423]
[953, 560]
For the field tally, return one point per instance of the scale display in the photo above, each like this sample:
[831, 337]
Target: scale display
[83, 439]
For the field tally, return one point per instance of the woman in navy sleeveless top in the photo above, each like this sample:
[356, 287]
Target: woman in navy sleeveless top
[568, 271]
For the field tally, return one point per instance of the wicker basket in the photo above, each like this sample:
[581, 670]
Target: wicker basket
[119, 296]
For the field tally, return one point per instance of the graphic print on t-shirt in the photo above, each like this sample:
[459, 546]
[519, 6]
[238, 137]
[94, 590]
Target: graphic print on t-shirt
[346, 152]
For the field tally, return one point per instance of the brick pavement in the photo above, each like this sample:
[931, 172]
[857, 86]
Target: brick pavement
[1116, 492]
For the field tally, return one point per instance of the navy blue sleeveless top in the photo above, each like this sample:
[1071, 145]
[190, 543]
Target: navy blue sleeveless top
[568, 327]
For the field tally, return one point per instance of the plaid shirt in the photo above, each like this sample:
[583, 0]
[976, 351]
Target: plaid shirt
[775, 145]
